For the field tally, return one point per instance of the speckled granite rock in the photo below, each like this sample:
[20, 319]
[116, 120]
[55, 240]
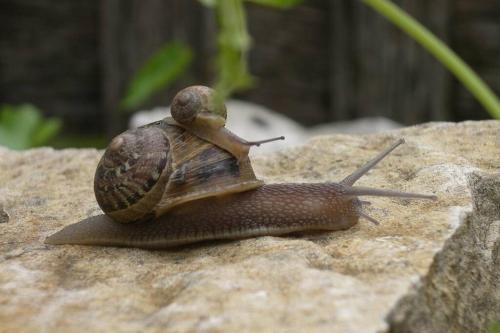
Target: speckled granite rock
[426, 259]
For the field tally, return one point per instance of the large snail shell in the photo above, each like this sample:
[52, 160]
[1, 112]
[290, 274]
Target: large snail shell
[147, 171]
[128, 182]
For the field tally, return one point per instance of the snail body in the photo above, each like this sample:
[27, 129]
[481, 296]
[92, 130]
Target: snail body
[189, 179]
[268, 210]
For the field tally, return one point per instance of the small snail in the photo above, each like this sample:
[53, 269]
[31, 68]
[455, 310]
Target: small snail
[195, 109]
[187, 179]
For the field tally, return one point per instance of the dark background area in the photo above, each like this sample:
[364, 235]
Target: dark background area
[321, 61]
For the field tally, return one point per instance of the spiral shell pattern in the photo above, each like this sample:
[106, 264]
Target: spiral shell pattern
[129, 179]
[189, 102]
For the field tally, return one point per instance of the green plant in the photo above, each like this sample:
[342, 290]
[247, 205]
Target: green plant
[494, 327]
[234, 42]
[163, 67]
[24, 127]
[173, 58]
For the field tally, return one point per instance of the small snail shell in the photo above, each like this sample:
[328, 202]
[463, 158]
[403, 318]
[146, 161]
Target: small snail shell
[195, 103]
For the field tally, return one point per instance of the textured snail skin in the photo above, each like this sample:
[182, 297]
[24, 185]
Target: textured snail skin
[274, 209]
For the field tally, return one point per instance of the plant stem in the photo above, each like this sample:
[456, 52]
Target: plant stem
[443, 53]
[233, 46]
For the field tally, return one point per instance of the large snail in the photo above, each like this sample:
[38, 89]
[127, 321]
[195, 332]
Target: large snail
[187, 179]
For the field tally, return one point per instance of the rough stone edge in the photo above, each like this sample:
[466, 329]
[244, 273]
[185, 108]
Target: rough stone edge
[4, 216]
[461, 292]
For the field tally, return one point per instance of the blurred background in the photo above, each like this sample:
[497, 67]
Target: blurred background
[66, 66]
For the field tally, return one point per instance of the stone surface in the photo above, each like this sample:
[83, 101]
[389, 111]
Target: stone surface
[431, 261]
[461, 292]
[4, 217]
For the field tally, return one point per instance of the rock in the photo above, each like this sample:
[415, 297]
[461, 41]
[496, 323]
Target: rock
[461, 291]
[4, 217]
[428, 267]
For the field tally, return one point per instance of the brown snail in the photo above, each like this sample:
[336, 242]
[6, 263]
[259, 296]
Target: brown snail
[147, 171]
[188, 179]
[195, 109]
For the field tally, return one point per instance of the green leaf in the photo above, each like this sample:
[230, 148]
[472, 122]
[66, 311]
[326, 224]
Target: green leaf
[23, 127]
[46, 131]
[277, 3]
[162, 68]
[233, 43]
[16, 125]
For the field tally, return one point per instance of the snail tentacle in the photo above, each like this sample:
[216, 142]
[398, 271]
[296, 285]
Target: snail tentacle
[353, 177]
